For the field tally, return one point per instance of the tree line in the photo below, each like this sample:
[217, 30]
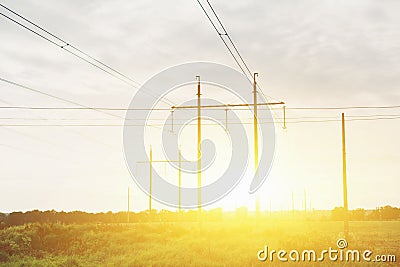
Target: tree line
[81, 217]
[379, 214]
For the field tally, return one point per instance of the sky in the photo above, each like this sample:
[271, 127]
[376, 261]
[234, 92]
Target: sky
[308, 54]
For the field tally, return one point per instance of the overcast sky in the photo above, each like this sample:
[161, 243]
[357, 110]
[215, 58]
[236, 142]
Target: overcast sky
[308, 53]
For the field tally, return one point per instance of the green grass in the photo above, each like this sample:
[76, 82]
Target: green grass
[225, 243]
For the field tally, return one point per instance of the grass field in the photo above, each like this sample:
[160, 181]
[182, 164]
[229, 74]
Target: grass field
[223, 243]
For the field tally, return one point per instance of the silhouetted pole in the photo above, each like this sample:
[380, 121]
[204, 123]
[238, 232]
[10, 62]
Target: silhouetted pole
[255, 125]
[284, 117]
[305, 202]
[151, 161]
[226, 119]
[346, 208]
[198, 144]
[179, 179]
[172, 121]
[255, 130]
[151, 177]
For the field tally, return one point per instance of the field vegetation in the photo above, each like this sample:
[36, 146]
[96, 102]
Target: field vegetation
[212, 240]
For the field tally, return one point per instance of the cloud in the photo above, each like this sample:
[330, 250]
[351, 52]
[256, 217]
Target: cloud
[318, 52]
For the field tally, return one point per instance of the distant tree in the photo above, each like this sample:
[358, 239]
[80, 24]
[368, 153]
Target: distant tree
[390, 213]
[16, 218]
[338, 214]
[357, 214]
[375, 215]
[2, 220]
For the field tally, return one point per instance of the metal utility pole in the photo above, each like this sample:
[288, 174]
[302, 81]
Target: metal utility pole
[151, 177]
[255, 128]
[226, 119]
[255, 125]
[198, 144]
[172, 121]
[225, 106]
[346, 208]
[152, 161]
[179, 179]
[284, 117]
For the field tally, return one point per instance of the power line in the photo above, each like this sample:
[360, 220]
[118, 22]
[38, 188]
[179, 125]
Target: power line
[209, 124]
[358, 119]
[186, 119]
[233, 45]
[230, 39]
[64, 48]
[348, 107]
[55, 97]
[79, 108]
[223, 40]
[61, 99]
[169, 109]
[66, 45]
